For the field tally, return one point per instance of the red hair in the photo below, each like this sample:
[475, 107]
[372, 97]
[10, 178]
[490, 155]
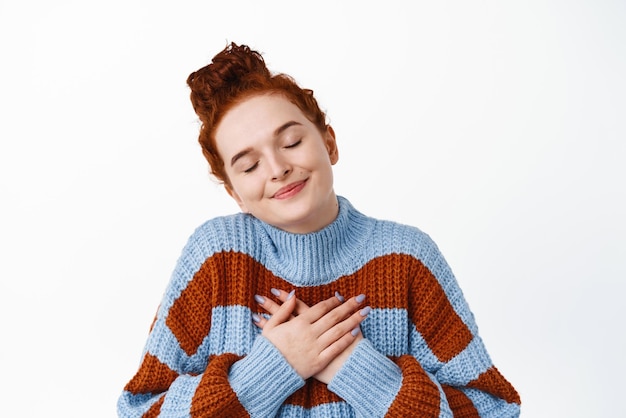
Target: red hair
[235, 74]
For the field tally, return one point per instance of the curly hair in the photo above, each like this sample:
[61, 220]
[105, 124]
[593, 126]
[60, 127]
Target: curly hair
[235, 74]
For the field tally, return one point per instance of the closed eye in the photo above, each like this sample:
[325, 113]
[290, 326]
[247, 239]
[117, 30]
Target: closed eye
[295, 144]
[251, 168]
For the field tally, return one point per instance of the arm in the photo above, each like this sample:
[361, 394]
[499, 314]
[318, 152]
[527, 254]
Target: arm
[446, 371]
[228, 384]
[376, 385]
[256, 384]
[190, 369]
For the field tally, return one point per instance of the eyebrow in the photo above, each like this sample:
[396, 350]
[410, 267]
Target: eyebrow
[277, 132]
[285, 126]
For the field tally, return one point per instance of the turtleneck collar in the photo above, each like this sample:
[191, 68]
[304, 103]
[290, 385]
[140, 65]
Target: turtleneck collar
[318, 257]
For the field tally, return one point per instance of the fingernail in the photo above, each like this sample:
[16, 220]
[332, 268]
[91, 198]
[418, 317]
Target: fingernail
[256, 318]
[259, 299]
[365, 311]
[293, 292]
[355, 332]
[360, 298]
[338, 296]
[275, 292]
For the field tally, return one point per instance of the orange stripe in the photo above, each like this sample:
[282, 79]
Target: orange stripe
[432, 313]
[493, 382]
[461, 405]
[155, 409]
[152, 377]
[214, 394]
[189, 318]
[226, 279]
[312, 394]
[434, 317]
[238, 277]
[418, 396]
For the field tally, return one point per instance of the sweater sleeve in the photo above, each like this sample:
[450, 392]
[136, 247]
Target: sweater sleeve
[447, 371]
[190, 367]
[230, 386]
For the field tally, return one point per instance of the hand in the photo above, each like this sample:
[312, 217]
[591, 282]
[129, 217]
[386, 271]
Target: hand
[315, 340]
[327, 374]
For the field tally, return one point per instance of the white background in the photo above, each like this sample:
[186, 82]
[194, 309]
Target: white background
[498, 127]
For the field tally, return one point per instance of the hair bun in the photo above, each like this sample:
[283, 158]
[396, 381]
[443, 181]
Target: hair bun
[235, 62]
[233, 68]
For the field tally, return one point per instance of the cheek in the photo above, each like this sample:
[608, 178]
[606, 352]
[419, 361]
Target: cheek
[250, 187]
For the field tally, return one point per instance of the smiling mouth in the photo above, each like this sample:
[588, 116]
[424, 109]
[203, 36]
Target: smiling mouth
[289, 190]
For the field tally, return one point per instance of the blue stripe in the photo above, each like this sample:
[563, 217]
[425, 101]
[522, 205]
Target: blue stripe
[422, 353]
[178, 398]
[232, 331]
[466, 366]
[338, 409]
[490, 406]
[134, 406]
[306, 259]
[163, 344]
[387, 330]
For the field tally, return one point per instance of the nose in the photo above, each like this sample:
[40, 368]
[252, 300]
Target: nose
[280, 168]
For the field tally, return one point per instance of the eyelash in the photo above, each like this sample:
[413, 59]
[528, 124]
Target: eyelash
[254, 166]
[295, 144]
[251, 169]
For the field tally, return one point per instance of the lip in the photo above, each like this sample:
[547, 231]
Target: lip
[289, 190]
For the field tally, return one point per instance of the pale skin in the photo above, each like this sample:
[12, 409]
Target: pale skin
[278, 167]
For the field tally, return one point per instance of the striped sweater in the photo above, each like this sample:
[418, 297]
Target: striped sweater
[421, 355]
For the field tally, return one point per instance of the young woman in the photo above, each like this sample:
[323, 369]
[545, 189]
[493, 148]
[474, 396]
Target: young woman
[301, 305]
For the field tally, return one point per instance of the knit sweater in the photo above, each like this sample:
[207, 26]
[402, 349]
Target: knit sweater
[421, 355]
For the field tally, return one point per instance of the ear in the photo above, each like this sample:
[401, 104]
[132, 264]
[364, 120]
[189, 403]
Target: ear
[236, 198]
[331, 144]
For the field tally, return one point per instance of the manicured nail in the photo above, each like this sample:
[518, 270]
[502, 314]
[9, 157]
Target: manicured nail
[360, 298]
[338, 296]
[365, 311]
[259, 299]
[355, 332]
[275, 292]
[293, 292]
[256, 318]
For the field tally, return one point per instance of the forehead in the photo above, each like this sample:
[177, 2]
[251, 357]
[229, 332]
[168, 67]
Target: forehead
[257, 118]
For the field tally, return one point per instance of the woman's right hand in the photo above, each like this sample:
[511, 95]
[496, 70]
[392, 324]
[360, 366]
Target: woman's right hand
[310, 338]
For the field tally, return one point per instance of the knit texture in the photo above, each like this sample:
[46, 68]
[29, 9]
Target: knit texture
[421, 355]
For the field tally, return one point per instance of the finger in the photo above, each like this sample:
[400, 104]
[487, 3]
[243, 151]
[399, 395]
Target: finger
[320, 309]
[259, 320]
[338, 346]
[348, 326]
[301, 307]
[268, 304]
[283, 313]
[337, 312]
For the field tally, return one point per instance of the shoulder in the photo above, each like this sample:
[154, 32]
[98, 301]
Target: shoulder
[384, 237]
[390, 237]
[403, 238]
[217, 235]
